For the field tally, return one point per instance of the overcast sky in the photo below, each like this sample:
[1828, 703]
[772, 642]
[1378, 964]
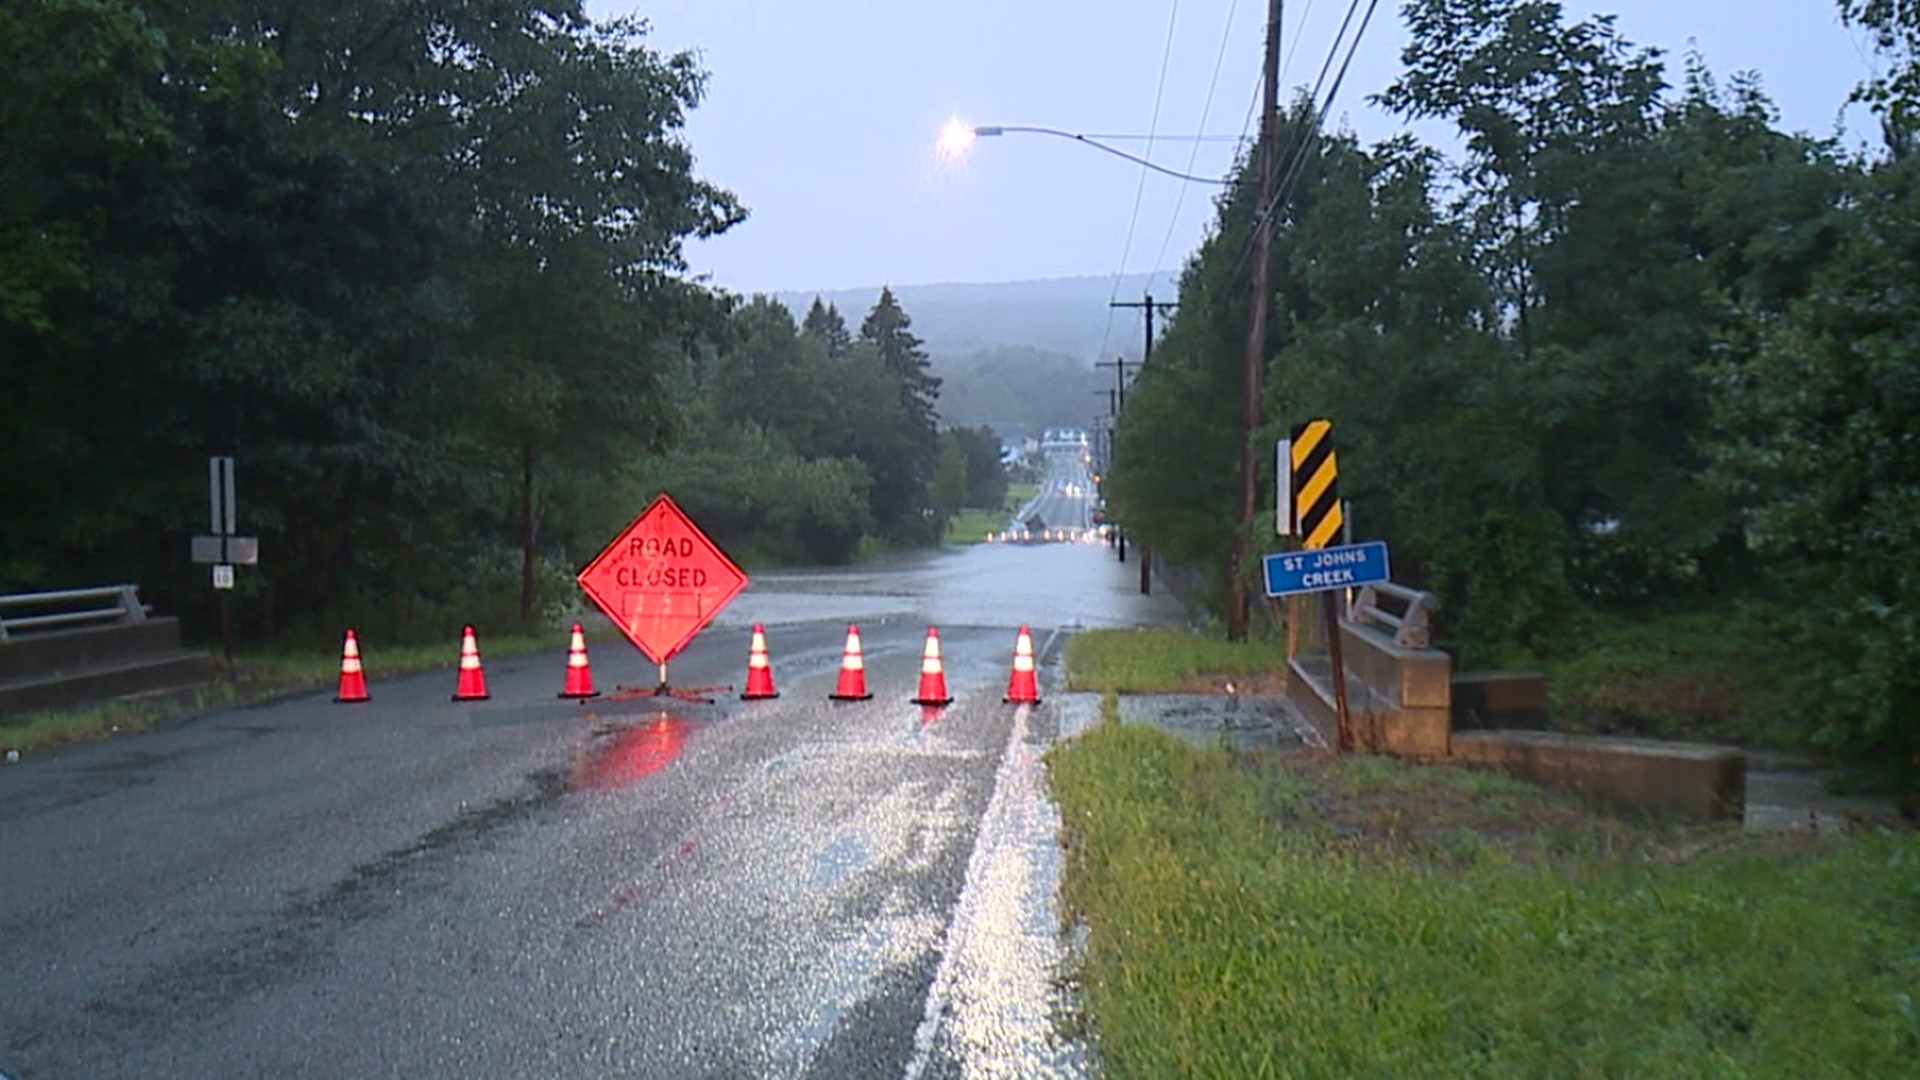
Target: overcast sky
[823, 116]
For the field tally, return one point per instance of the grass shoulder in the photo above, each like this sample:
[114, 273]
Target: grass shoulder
[1171, 661]
[1289, 913]
[254, 676]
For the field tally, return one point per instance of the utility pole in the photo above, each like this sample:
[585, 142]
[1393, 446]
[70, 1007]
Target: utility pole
[1117, 401]
[1239, 606]
[1147, 304]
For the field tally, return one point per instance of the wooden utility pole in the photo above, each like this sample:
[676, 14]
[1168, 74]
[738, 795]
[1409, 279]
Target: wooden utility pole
[1239, 606]
[1149, 305]
[1119, 392]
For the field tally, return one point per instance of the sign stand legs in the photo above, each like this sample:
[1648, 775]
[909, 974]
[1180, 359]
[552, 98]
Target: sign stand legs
[683, 693]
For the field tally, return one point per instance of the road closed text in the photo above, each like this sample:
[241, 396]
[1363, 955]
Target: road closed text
[662, 564]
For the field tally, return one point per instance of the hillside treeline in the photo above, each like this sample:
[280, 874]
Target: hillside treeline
[417, 265]
[1637, 350]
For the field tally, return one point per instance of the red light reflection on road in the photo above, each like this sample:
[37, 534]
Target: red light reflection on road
[628, 754]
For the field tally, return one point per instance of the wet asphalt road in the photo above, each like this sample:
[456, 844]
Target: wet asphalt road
[1065, 499]
[534, 887]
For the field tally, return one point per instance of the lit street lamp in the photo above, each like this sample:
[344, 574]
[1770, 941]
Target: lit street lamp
[957, 138]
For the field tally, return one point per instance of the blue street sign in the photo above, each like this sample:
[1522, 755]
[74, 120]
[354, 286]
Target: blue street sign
[1340, 567]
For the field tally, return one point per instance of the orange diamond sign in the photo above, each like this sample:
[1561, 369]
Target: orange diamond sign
[661, 580]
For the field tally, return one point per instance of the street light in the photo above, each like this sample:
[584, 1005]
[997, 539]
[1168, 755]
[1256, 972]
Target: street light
[957, 138]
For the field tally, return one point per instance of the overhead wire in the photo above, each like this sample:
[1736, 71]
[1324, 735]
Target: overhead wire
[1293, 162]
[1206, 110]
[1139, 191]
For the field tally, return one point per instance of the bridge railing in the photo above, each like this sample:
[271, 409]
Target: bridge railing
[1409, 625]
[62, 608]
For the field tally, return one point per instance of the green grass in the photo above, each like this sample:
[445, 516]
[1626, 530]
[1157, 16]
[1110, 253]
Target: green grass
[1697, 675]
[972, 526]
[1261, 915]
[253, 676]
[1162, 661]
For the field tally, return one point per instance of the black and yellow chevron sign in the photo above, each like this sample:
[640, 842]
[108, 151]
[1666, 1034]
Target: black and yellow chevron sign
[1316, 485]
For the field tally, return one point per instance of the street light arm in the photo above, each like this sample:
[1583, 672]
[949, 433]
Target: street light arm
[986, 130]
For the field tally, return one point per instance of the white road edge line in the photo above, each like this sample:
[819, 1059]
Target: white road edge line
[966, 909]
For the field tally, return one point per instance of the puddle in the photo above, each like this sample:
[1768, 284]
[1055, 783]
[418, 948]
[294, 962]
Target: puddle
[618, 756]
[1245, 721]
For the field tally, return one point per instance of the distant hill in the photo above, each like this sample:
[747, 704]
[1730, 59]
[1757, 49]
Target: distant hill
[1020, 391]
[1067, 316]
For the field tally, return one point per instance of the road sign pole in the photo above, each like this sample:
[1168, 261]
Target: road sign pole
[1330, 606]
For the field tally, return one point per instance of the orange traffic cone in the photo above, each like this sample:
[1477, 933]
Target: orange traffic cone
[579, 674]
[933, 677]
[759, 671]
[853, 671]
[353, 681]
[1024, 686]
[473, 681]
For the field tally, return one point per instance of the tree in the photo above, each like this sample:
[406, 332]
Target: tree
[416, 264]
[1814, 437]
[903, 480]
[824, 323]
[986, 474]
[950, 478]
[1895, 95]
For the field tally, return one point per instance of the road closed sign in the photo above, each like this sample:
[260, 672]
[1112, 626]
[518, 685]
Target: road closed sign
[662, 580]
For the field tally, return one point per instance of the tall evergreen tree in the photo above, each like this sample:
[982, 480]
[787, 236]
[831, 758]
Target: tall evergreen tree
[906, 508]
[824, 323]
[889, 328]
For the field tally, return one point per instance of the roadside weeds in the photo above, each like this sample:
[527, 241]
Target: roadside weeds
[1294, 913]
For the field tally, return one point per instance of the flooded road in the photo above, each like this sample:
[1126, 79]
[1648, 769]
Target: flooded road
[529, 886]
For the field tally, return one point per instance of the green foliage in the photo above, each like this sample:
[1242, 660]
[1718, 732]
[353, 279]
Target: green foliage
[908, 450]
[1249, 916]
[985, 474]
[423, 300]
[1815, 436]
[1894, 92]
[760, 500]
[1703, 676]
[1517, 373]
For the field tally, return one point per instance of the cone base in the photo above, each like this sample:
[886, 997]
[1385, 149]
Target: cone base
[851, 697]
[471, 697]
[932, 701]
[761, 696]
[351, 700]
[575, 695]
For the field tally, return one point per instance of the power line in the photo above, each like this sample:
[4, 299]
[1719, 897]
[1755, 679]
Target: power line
[1299, 35]
[1180, 199]
[1326, 107]
[1126, 249]
[1303, 139]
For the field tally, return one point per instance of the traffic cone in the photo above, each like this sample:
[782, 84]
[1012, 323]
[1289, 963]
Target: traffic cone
[579, 674]
[759, 670]
[933, 678]
[853, 671]
[1024, 686]
[473, 681]
[353, 681]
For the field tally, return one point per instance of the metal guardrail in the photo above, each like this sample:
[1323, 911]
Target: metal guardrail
[51, 609]
[1410, 626]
